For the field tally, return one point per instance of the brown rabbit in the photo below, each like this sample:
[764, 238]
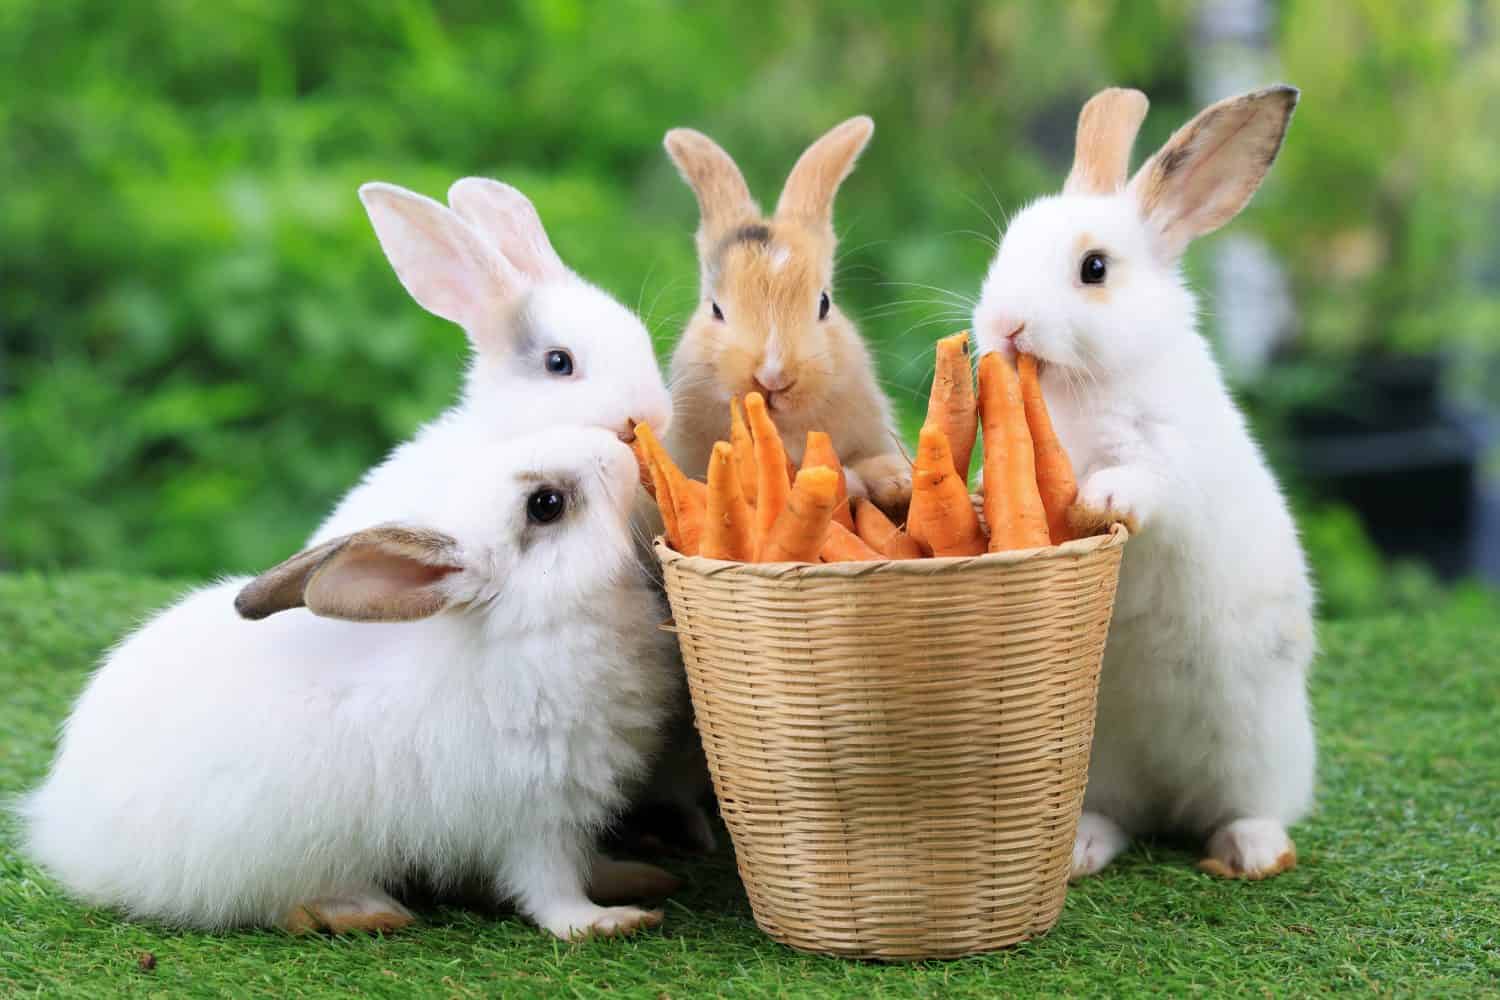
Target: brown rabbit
[768, 324]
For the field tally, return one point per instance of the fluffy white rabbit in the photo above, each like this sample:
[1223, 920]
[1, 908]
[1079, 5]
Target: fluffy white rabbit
[478, 716]
[1203, 714]
[549, 348]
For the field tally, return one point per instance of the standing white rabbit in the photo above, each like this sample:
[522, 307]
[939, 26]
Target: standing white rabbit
[1203, 715]
[549, 348]
[478, 715]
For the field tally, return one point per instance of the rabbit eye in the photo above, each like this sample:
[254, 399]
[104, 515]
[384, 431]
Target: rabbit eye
[718, 313]
[824, 304]
[1093, 270]
[545, 505]
[558, 362]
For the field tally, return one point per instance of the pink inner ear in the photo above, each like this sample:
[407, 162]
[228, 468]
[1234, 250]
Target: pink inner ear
[374, 584]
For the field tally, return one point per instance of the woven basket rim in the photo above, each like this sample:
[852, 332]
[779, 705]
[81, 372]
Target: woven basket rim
[703, 566]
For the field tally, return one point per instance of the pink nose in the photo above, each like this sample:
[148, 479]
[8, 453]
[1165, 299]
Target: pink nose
[773, 380]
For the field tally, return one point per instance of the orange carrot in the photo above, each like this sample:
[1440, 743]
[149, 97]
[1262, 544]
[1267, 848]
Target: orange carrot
[728, 525]
[1054, 472]
[771, 486]
[643, 460]
[1012, 505]
[802, 528]
[683, 502]
[941, 517]
[820, 451]
[744, 449]
[950, 407]
[880, 534]
[844, 545]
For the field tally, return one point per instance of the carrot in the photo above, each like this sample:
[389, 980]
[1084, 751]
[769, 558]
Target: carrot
[950, 406]
[643, 460]
[802, 527]
[941, 517]
[844, 545]
[1012, 504]
[728, 525]
[1054, 472]
[819, 451]
[771, 485]
[683, 502]
[744, 449]
[880, 534]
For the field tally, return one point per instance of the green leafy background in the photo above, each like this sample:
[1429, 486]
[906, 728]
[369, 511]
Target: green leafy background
[202, 346]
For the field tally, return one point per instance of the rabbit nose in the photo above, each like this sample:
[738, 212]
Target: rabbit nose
[627, 433]
[770, 379]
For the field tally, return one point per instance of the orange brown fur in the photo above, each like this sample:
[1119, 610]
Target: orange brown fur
[1283, 863]
[767, 274]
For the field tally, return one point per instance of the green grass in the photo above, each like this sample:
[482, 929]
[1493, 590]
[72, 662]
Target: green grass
[1398, 891]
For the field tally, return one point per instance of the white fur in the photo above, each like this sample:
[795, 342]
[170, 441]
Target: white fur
[487, 264]
[1203, 712]
[219, 772]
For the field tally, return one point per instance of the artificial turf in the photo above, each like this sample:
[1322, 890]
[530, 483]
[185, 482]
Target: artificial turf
[1398, 890]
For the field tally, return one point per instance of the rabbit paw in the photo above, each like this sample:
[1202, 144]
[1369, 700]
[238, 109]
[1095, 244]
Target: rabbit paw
[614, 881]
[1251, 849]
[369, 911]
[581, 922]
[1111, 496]
[1095, 845]
[886, 480]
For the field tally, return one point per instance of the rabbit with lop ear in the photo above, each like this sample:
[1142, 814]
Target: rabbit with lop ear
[768, 321]
[1203, 714]
[548, 347]
[467, 694]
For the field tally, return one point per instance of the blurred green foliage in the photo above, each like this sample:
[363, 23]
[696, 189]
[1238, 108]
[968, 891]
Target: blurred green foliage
[202, 346]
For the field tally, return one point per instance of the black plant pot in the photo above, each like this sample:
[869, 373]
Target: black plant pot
[1387, 445]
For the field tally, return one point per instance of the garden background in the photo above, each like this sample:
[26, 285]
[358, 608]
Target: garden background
[203, 347]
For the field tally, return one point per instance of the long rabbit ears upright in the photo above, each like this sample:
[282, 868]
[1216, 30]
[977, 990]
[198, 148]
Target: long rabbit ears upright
[447, 267]
[1211, 166]
[724, 200]
[808, 195]
[509, 221]
[1107, 127]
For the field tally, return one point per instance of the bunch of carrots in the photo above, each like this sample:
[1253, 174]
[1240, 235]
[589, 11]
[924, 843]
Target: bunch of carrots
[756, 507]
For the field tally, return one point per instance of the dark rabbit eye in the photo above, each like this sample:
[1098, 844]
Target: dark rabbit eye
[1093, 269]
[823, 306]
[545, 505]
[559, 362]
[718, 313]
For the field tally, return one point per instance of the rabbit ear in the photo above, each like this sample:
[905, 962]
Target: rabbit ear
[509, 220]
[808, 194]
[1107, 128]
[383, 574]
[443, 264]
[723, 199]
[1211, 166]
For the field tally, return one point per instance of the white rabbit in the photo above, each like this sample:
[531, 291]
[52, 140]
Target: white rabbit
[549, 348]
[479, 715]
[1203, 714]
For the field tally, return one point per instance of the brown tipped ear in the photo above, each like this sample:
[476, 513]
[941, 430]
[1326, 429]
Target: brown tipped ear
[1107, 127]
[808, 194]
[387, 573]
[723, 199]
[1211, 166]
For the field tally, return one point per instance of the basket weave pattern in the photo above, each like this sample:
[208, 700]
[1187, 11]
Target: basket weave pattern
[899, 748]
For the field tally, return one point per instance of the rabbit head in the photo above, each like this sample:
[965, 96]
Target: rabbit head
[1088, 280]
[526, 532]
[549, 347]
[768, 321]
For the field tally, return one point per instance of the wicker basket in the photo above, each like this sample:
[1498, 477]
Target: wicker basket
[899, 748]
